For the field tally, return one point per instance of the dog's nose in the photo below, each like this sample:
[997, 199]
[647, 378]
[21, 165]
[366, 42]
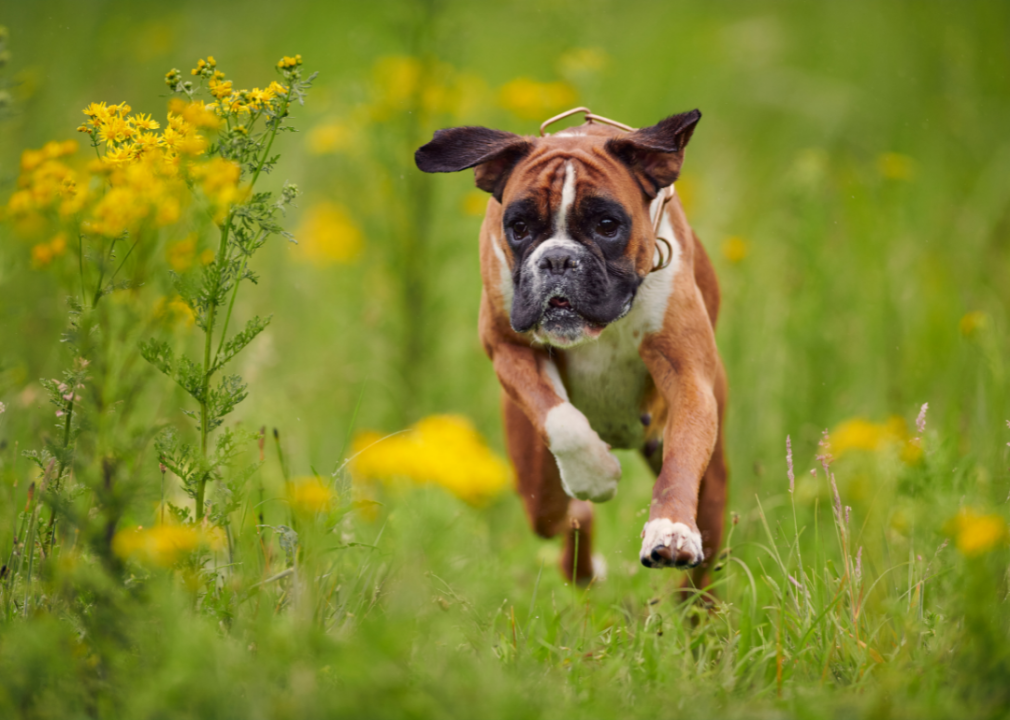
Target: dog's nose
[557, 261]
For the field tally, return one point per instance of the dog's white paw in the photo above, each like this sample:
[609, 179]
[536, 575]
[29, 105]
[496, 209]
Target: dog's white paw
[670, 544]
[589, 471]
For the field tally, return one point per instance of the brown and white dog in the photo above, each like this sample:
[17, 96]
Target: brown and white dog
[596, 345]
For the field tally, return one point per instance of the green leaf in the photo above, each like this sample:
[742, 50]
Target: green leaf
[159, 354]
[234, 346]
[223, 399]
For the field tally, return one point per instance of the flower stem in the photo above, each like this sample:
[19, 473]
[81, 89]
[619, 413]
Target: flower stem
[51, 529]
[222, 262]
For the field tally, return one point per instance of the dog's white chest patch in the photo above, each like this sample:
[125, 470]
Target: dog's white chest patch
[606, 379]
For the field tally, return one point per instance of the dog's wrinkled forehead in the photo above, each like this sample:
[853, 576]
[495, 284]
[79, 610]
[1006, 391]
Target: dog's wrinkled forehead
[546, 191]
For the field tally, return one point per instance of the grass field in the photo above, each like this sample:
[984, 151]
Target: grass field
[849, 180]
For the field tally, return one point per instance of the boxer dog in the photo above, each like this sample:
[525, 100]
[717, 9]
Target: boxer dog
[596, 343]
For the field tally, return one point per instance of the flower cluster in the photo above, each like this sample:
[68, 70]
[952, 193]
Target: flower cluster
[165, 544]
[861, 434]
[442, 449]
[231, 103]
[975, 533]
[309, 495]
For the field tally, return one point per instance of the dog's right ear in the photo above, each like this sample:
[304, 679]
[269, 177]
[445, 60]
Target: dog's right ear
[492, 154]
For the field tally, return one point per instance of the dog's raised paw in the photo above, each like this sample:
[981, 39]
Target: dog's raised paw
[589, 471]
[670, 544]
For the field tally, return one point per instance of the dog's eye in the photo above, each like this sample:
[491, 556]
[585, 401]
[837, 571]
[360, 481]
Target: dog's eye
[607, 227]
[519, 230]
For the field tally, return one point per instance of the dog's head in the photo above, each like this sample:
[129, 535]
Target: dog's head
[575, 206]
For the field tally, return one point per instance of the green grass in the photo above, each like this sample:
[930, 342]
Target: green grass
[848, 304]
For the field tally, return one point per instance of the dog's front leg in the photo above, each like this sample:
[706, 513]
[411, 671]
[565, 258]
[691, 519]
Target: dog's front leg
[589, 471]
[684, 366]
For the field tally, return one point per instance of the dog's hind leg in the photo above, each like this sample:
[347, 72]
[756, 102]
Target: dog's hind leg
[538, 482]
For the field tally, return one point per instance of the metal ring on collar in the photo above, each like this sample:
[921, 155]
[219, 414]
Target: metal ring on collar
[664, 260]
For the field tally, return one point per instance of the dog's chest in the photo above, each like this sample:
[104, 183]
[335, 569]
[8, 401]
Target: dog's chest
[606, 379]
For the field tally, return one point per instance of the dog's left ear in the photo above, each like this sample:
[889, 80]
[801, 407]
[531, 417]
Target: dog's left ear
[654, 154]
[493, 154]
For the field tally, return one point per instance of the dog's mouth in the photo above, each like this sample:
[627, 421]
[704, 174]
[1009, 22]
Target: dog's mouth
[561, 324]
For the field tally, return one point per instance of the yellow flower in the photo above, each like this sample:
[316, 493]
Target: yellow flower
[441, 449]
[164, 545]
[180, 254]
[976, 534]
[98, 112]
[143, 122]
[328, 235]
[174, 310]
[219, 180]
[397, 81]
[475, 203]
[735, 249]
[972, 322]
[579, 62]
[687, 191]
[42, 255]
[328, 138]
[861, 434]
[310, 495]
[895, 166]
[532, 100]
[220, 89]
[286, 63]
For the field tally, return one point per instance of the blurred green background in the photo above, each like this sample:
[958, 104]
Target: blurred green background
[849, 179]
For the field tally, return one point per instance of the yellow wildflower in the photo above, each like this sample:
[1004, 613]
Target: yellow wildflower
[180, 254]
[328, 138]
[396, 79]
[861, 434]
[328, 235]
[976, 534]
[441, 449]
[532, 100]
[972, 322]
[115, 130]
[475, 203]
[220, 89]
[143, 122]
[735, 249]
[895, 166]
[174, 311]
[164, 545]
[687, 191]
[219, 180]
[286, 63]
[580, 62]
[309, 495]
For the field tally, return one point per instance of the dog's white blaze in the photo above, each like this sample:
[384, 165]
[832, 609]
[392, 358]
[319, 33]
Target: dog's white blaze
[561, 238]
[567, 198]
[589, 471]
[662, 531]
[504, 275]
